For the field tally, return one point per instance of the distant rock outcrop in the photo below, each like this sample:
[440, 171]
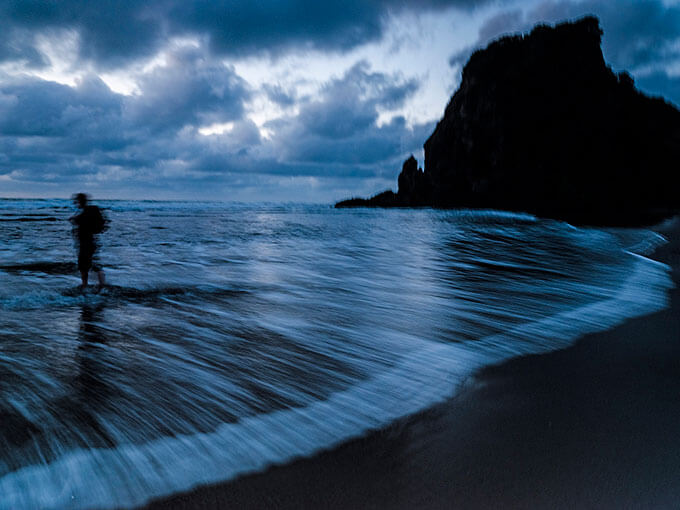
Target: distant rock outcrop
[413, 191]
[385, 199]
[414, 186]
[541, 124]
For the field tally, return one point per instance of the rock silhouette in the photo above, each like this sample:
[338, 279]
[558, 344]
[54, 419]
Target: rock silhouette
[541, 124]
[414, 190]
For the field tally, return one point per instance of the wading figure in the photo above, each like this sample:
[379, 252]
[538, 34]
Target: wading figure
[88, 223]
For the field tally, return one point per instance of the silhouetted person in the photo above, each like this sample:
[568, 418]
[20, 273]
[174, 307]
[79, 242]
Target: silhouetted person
[88, 223]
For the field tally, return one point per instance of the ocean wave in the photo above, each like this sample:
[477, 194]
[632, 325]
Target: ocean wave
[648, 244]
[130, 475]
[240, 336]
[110, 294]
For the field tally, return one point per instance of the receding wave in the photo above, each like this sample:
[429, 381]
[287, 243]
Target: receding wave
[110, 294]
[129, 475]
[238, 337]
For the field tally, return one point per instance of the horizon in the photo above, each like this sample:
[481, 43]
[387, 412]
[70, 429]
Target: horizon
[192, 200]
[279, 103]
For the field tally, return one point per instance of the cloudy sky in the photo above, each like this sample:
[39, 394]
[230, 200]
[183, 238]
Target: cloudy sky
[249, 100]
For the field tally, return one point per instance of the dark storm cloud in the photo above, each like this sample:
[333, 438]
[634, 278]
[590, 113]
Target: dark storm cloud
[190, 89]
[377, 155]
[239, 28]
[53, 129]
[112, 32]
[641, 36]
[377, 150]
[340, 124]
[348, 105]
[335, 134]
[56, 134]
[278, 95]
[19, 46]
[32, 107]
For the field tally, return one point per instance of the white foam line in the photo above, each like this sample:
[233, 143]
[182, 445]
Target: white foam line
[647, 245]
[131, 475]
[644, 292]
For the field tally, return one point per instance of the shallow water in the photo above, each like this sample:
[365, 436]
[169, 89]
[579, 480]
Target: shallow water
[234, 336]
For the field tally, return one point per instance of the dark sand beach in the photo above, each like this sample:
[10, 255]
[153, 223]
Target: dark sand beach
[591, 426]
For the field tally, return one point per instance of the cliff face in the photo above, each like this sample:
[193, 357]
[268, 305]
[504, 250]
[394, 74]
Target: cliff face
[541, 124]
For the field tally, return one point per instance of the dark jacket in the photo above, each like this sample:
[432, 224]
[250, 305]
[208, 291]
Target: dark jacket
[88, 223]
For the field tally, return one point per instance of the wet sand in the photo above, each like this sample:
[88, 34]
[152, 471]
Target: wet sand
[591, 426]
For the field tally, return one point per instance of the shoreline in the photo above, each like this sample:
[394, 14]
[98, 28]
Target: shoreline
[593, 424]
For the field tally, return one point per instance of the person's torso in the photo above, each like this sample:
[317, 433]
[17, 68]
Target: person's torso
[88, 223]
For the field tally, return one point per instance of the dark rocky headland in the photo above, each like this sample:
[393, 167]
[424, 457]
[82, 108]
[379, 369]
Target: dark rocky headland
[541, 124]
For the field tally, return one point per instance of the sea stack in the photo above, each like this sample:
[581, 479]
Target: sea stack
[541, 124]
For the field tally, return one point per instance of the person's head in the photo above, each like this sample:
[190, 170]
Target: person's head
[80, 199]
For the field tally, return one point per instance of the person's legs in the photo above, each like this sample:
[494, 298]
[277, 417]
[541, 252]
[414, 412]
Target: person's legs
[97, 267]
[83, 277]
[85, 262]
[102, 280]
